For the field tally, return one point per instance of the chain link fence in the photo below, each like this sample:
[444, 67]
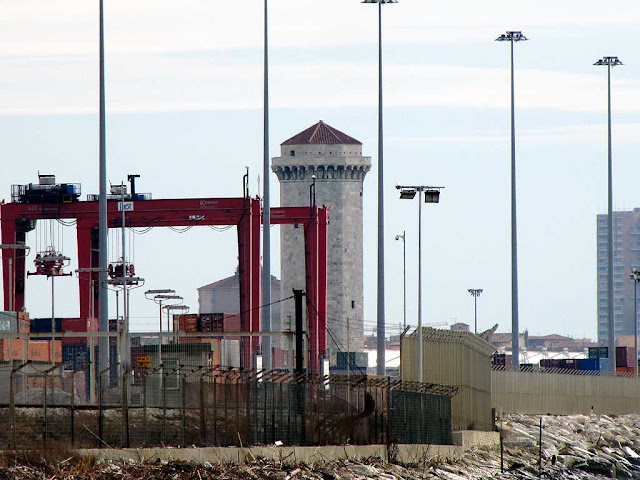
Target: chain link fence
[172, 391]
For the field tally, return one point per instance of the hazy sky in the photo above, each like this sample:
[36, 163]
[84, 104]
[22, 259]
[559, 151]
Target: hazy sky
[184, 101]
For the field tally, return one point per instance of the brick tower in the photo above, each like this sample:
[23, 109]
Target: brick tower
[338, 165]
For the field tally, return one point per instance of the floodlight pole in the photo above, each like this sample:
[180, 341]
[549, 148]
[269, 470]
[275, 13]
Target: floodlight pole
[635, 276]
[512, 37]
[420, 190]
[475, 292]
[381, 366]
[103, 291]
[266, 210]
[610, 62]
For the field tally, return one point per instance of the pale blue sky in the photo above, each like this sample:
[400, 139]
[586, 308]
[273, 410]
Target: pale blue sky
[184, 93]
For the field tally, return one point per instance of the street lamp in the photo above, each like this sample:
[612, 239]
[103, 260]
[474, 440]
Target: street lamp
[404, 273]
[158, 296]
[266, 204]
[635, 276]
[475, 292]
[431, 195]
[380, 369]
[610, 62]
[175, 308]
[513, 37]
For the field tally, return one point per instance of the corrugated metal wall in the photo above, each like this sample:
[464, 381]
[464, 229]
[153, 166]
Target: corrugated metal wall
[558, 394]
[459, 359]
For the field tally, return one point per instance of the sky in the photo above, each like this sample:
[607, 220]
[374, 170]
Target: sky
[184, 110]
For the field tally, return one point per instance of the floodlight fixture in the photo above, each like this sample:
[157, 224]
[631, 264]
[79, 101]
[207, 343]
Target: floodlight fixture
[432, 196]
[155, 292]
[512, 36]
[167, 297]
[382, 2]
[609, 61]
[408, 193]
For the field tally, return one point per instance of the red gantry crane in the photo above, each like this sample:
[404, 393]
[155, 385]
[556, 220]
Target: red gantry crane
[50, 200]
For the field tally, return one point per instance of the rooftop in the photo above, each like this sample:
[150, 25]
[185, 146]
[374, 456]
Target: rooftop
[321, 134]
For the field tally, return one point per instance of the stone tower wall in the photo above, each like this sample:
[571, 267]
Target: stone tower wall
[340, 171]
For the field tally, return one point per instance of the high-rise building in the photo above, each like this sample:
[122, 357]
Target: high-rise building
[336, 161]
[626, 255]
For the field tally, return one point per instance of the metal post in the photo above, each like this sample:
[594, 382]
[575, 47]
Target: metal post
[612, 331]
[404, 276]
[124, 344]
[266, 211]
[419, 337]
[53, 321]
[515, 339]
[635, 325]
[475, 314]
[103, 292]
[381, 370]
[299, 333]
[540, 452]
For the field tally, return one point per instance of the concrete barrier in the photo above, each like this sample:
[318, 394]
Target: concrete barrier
[405, 454]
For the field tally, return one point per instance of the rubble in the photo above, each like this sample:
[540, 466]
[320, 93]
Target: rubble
[573, 447]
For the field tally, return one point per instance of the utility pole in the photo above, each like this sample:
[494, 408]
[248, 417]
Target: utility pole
[299, 349]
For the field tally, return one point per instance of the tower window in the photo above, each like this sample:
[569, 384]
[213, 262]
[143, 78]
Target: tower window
[292, 153]
[353, 304]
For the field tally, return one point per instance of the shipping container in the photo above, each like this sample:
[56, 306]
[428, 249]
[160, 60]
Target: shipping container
[43, 325]
[211, 322]
[37, 350]
[589, 364]
[74, 356]
[499, 359]
[624, 357]
[356, 360]
[232, 323]
[598, 352]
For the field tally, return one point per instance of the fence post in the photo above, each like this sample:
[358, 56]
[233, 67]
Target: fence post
[100, 427]
[164, 406]
[203, 428]
[144, 408]
[184, 413]
[44, 436]
[540, 452]
[125, 408]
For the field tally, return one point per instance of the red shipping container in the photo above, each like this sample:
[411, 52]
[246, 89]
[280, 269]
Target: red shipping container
[232, 323]
[624, 357]
[37, 350]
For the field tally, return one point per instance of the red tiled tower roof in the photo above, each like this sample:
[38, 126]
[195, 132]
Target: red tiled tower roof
[321, 133]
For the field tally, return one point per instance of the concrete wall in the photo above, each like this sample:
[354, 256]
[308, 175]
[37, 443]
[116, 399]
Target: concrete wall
[459, 359]
[557, 394]
[406, 454]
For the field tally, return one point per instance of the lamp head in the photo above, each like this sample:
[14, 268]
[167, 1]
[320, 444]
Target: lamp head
[512, 36]
[408, 193]
[609, 61]
[432, 196]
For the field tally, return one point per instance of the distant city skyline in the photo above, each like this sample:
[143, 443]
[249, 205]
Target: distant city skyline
[184, 95]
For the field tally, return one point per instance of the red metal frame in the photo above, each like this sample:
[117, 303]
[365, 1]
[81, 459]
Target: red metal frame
[245, 213]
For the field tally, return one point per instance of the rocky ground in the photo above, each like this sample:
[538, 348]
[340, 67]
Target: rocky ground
[574, 447]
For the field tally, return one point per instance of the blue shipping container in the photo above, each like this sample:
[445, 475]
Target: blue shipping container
[43, 325]
[74, 356]
[604, 364]
[589, 364]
